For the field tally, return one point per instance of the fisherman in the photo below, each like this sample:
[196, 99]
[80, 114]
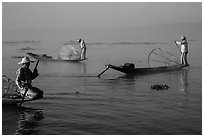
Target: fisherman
[184, 50]
[83, 49]
[24, 79]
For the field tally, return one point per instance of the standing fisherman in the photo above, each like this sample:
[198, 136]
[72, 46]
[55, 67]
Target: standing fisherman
[184, 50]
[83, 49]
[24, 79]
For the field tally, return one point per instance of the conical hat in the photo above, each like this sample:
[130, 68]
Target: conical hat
[25, 60]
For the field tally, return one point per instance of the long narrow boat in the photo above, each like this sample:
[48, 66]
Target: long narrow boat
[44, 57]
[144, 71]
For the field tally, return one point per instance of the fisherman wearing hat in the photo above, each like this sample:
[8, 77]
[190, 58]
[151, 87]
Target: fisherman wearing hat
[184, 50]
[83, 49]
[24, 79]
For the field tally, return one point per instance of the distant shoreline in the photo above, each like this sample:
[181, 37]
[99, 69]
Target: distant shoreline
[16, 42]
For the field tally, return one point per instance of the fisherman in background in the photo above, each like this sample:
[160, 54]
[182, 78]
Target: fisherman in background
[184, 50]
[24, 79]
[83, 49]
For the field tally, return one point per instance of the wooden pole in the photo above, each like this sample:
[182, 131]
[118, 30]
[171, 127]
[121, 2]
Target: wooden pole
[103, 71]
[26, 89]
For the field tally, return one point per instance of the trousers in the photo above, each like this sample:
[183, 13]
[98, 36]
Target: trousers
[184, 58]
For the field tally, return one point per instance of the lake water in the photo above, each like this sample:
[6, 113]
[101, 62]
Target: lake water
[114, 104]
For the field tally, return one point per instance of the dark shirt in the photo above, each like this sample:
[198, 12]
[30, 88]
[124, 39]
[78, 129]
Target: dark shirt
[25, 76]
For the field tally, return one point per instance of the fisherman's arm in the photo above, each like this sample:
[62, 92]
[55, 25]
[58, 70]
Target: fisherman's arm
[178, 42]
[19, 78]
[35, 73]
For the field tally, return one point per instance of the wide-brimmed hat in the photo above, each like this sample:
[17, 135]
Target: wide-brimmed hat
[79, 40]
[183, 38]
[25, 60]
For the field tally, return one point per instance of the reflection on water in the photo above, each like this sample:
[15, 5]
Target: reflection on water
[28, 122]
[184, 81]
[23, 122]
[184, 87]
[83, 68]
[62, 68]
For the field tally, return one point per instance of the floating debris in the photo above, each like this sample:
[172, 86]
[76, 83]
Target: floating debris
[160, 87]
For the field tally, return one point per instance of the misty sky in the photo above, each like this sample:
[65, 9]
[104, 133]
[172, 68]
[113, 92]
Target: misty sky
[96, 15]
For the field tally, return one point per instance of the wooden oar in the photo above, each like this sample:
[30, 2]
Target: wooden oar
[36, 64]
[104, 71]
[26, 89]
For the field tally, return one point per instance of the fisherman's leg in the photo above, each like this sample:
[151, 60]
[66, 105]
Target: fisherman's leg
[185, 58]
[29, 93]
[85, 53]
[38, 93]
[82, 53]
[32, 93]
[182, 59]
[81, 56]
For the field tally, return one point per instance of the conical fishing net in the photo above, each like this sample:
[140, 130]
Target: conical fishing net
[9, 86]
[160, 57]
[68, 52]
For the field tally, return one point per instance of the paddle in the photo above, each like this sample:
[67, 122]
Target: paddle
[104, 71]
[36, 64]
[26, 89]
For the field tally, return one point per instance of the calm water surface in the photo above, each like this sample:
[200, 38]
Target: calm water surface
[113, 104]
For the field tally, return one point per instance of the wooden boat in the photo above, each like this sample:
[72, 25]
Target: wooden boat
[144, 71]
[168, 62]
[44, 57]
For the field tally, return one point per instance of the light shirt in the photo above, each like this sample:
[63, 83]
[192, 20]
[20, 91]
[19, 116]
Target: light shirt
[82, 44]
[184, 46]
